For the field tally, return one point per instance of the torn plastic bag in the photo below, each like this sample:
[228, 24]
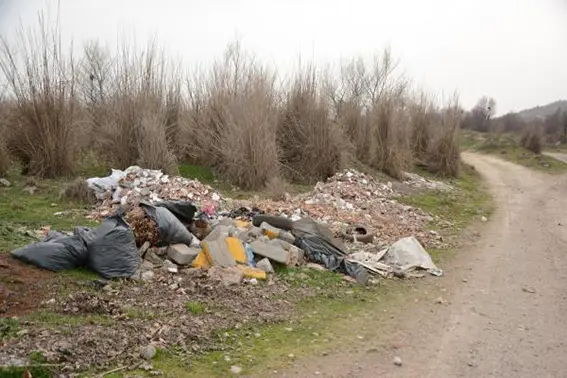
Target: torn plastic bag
[112, 249]
[170, 229]
[58, 252]
[320, 250]
[184, 211]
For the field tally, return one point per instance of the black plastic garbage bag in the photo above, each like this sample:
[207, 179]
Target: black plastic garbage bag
[170, 229]
[58, 252]
[112, 249]
[184, 211]
[322, 251]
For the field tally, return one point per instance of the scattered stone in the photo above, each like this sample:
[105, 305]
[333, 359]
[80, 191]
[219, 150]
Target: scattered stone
[181, 254]
[235, 369]
[465, 280]
[148, 352]
[265, 265]
[397, 361]
[291, 356]
[146, 366]
[5, 182]
[289, 329]
[484, 219]
[530, 290]
[30, 189]
[372, 350]
[170, 267]
[439, 300]
[253, 281]
[147, 276]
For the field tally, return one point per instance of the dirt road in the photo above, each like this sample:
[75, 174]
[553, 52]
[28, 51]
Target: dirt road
[504, 310]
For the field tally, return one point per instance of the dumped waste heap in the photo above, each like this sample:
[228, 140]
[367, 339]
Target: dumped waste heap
[136, 184]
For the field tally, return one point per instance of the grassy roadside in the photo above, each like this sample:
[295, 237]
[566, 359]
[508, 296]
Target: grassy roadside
[340, 316]
[507, 147]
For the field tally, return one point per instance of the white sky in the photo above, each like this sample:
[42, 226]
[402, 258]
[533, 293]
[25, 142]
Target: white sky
[512, 50]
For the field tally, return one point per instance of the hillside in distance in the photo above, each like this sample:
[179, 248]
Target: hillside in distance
[543, 111]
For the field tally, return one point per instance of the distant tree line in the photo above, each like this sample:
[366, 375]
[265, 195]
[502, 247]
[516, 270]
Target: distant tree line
[481, 118]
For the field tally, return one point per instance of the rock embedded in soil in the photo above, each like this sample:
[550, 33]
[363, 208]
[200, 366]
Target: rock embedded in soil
[235, 369]
[148, 352]
[397, 361]
[5, 182]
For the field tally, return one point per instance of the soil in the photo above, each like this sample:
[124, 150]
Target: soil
[22, 287]
[499, 311]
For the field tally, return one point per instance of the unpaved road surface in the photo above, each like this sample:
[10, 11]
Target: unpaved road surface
[504, 310]
[557, 155]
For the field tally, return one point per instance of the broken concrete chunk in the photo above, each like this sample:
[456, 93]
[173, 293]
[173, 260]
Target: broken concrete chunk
[181, 254]
[218, 253]
[256, 232]
[237, 250]
[250, 272]
[228, 276]
[273, 251]
[296, 255]
[265, 265]
[218, 233]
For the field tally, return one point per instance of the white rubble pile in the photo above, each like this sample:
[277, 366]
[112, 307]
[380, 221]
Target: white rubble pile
[416, 181]
[135, 184]
[351, 197]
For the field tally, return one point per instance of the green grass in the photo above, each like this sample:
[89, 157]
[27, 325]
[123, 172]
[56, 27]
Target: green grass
[453, 211]
[53, 319]
[196, 308]
[22, 213]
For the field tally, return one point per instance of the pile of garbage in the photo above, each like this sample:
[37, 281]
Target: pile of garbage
[344, 224]
[136, 184]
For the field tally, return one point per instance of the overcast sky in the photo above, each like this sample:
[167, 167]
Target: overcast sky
[512, 50]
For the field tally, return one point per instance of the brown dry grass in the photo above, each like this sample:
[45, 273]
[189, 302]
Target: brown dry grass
[46, 116]
[232, 120]
[313, 147]
[129, 107]
[444, 154]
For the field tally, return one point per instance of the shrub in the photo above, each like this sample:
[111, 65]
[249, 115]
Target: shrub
[132, 107]
[46, 118]
[532, 138]
[232, 120]
[444, 155]
[312, 146]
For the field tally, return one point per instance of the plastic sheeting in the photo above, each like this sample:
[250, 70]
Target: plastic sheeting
[316, 241]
